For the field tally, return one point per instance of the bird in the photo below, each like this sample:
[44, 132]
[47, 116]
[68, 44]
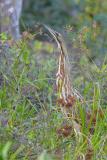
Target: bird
[67, 94]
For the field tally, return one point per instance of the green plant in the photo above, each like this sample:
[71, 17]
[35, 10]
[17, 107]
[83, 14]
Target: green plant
[29, 116]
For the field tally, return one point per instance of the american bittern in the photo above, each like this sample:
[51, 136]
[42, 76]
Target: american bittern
[67, 95]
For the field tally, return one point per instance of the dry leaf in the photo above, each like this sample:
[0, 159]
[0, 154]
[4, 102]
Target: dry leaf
[64, 131]
[89, 154]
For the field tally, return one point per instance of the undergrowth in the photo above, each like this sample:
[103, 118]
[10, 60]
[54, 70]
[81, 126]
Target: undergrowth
[31, 124]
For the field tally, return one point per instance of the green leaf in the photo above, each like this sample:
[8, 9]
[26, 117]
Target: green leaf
[4, 151]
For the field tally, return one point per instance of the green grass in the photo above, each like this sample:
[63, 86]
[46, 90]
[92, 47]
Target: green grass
[29, 116]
